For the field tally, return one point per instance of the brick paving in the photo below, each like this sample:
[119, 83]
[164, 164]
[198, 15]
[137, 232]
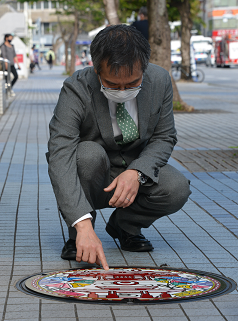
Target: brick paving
[207, 160]
[202, 236]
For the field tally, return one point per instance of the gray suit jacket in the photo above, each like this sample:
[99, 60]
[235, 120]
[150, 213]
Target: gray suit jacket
[82, 114]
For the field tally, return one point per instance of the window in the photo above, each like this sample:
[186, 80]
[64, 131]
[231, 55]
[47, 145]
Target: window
[232, 3]
[217, 24]
[21, 6]
[38, 5]
[46, 5]
[54, 4]
[225, 23]
[225, 3]
[46, 27]
[232, 23]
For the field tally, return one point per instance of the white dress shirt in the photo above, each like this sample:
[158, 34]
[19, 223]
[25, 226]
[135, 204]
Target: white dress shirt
[131, 107]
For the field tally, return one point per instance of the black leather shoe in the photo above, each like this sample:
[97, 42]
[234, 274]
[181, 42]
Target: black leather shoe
[69, 251]
[129, 242]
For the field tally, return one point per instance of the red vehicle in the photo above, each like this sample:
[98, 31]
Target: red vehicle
[226, 51]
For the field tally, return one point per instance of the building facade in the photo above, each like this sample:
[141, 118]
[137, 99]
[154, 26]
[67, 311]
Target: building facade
[222, 18]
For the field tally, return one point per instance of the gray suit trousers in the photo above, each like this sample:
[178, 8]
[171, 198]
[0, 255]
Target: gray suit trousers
[152, 201]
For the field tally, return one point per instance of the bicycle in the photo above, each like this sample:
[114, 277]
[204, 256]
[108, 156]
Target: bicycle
[197, 75]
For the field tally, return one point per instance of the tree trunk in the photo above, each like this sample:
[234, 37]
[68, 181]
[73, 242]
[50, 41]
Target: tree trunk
[56, 46]
[186, 27]
[111, 11]
[73, 42]
[159, 39]
[159, 33]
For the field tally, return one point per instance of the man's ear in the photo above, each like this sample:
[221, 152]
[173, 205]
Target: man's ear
[95, 70]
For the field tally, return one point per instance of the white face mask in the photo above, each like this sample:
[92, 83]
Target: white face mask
[120, 96]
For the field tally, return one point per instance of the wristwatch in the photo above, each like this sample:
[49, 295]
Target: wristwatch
[142, 178]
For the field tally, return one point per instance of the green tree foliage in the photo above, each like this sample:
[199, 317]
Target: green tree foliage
[126, 7]
[195, 10]
[91, 13]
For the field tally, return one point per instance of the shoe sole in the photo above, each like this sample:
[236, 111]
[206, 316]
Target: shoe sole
[113, 233]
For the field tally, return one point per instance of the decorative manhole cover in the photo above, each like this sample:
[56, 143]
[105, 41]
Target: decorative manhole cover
[127, 284]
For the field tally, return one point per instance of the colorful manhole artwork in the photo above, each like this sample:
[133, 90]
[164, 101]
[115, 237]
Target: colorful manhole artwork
[127, 285]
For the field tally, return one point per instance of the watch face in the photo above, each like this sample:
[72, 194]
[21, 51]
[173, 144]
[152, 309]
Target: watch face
[142, 180]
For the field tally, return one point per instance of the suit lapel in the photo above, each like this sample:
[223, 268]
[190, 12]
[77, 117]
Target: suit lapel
[143, 104]
[101, 109]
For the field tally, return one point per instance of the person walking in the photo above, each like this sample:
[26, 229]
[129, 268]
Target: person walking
[36, 57]
[8, 52]
[50, 57]
[142, 22]
[32, 64]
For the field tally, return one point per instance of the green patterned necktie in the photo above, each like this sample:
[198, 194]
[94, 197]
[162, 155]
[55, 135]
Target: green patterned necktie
[126, 124]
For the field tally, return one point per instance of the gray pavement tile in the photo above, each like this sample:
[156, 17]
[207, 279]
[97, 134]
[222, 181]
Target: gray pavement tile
[126, 307]
[27, 299]
[201, 311]
[130, 312]
[229, 305]
[98, 319]
[208, 317]
[22, 315]
[165, 312]
[25, 319]
[232, 311]
[133, 318]
[231, 317]
[55, 305]
[174, 318]
[22, 307]
[67, 313]
[93, 313]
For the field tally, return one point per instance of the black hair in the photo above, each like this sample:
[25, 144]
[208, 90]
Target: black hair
[144, 11]
[120, 46]
[6, 36]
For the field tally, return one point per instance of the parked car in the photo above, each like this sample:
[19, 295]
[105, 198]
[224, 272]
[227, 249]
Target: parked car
[201, 57]
[176, 57]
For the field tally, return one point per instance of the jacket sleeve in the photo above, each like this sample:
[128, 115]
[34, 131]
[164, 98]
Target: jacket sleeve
[62, 146]
[160, 146]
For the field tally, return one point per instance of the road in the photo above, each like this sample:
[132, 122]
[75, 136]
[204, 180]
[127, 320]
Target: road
[219, 91]
[221, 76]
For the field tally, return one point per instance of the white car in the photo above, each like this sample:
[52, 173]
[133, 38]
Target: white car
[176, 57]
[200, 57]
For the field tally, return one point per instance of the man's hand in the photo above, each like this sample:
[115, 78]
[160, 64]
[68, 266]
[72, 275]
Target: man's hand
[89, 247]
[126, 188]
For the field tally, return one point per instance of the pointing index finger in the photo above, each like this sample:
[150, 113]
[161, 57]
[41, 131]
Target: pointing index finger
[103, 260]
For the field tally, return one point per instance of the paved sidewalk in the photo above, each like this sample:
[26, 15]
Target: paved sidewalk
[202, 236]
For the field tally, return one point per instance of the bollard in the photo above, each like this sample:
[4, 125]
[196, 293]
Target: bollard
[8, 78]
[5, 84]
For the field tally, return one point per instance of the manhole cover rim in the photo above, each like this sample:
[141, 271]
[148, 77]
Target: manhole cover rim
[228, 285]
